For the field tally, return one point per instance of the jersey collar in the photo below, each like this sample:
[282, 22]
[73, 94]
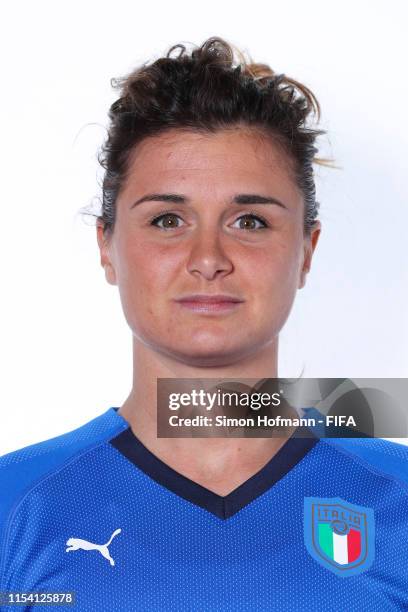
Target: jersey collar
[288, 456]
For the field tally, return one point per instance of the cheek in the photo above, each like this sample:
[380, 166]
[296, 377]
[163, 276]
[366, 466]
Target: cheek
[277, 267]
[274, 283]
[146, 274]
[145, 264]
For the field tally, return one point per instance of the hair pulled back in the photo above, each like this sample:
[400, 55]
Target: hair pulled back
[209, 88]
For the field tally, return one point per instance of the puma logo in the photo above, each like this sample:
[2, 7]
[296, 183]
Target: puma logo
[77, 543]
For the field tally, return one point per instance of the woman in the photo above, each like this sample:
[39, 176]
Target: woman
[208, 228]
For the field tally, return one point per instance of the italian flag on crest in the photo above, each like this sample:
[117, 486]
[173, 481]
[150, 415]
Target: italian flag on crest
[342, 548]
[339, 535]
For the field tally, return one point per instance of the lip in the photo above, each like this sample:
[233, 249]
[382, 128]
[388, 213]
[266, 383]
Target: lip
[208, 304]
[216, 298]
[209, 307]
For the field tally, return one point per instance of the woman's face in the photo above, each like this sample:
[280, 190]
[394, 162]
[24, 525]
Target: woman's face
[221, 233]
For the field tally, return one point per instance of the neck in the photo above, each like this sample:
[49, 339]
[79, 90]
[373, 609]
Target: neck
[207, 460]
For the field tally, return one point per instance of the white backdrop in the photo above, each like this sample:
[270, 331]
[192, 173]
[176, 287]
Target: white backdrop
[65, 346]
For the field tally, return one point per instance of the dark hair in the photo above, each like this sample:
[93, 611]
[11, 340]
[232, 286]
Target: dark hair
[208, 90]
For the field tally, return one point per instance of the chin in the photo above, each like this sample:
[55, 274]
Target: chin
[207, 353]
[205, 342]
[213, 360]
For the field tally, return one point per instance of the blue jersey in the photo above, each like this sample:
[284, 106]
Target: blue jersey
[93, 513]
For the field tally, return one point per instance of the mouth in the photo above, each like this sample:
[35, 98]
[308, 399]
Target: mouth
[210, 303]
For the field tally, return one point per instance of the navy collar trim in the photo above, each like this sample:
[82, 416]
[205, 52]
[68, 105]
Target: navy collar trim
[226, 506]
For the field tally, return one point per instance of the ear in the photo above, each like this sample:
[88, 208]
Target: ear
[106, 263]
[310, 242]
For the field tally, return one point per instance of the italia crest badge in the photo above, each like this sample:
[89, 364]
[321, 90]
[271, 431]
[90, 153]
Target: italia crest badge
[339, 535]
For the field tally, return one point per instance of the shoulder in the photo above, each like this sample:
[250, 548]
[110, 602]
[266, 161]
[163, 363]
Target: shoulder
[22, 469]
[386, 458]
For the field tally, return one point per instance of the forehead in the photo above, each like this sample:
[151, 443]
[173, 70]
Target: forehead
[244, 154]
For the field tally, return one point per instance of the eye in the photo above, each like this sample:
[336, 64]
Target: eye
[252, 216]
[155, 220]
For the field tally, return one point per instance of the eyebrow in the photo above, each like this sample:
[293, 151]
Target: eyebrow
[242, 198]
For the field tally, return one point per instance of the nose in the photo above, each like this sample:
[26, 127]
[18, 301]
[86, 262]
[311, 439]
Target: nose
[207, 255]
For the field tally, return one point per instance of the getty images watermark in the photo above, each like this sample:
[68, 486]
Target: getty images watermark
[273, 407]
